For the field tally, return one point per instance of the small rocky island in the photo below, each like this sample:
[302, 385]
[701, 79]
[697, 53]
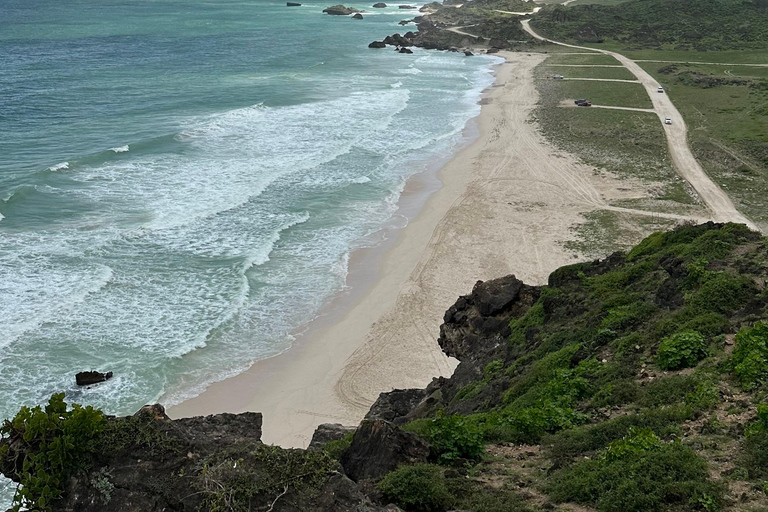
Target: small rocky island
[340, 10]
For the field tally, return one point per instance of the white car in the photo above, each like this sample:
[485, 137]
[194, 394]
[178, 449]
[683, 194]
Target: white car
[660, 89]
[667, 120]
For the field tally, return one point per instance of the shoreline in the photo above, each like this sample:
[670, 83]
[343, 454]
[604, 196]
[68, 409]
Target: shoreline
[507, 202]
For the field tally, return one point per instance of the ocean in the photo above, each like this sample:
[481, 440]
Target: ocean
[182, 181]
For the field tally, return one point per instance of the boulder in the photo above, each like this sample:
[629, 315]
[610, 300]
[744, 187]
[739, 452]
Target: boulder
[410, 35]
[468, 53]
[328, 432]
[357, 16]
[88, 378]
[293, 4]
[340, 10]
[492, 50]
[404, 22]
[406, 6]
[393, 406]
[405, 50]
[377, 44]
[380, 447]
[380, 5]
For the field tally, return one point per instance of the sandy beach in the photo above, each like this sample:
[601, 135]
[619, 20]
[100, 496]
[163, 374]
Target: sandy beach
[508, 202]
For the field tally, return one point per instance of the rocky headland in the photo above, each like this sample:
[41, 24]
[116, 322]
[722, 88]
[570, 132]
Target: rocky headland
[644, 367]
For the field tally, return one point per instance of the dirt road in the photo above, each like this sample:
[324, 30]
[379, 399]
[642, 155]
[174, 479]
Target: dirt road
[685, 163]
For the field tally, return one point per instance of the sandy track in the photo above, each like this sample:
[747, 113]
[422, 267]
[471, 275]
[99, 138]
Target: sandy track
[508, 202]
[685, 163]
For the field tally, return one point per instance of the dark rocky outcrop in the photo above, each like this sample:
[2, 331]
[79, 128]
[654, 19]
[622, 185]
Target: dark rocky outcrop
[377, 44]
[468, 53]
[398, 40]
[328, 432]
[293, 4]
[394, 405]
[88, 378]
[357, 16]
[406, 6]
[340, 10]
[404, 50]
[378, 447]
[380, 5]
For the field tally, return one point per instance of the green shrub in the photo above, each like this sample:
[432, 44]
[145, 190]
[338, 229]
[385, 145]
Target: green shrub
[419, 488]
[453, 437]
[637, 442]
[569, 444]
[59, 443]
[760, 424]
[334, 449]
[639, 473]
[531, 423]
[750, 355]
[681, 350]
[723, 293]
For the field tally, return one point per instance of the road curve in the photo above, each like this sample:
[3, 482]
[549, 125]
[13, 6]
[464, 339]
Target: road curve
[686, 165]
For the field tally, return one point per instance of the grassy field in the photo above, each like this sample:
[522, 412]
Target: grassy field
[591, 72]
[629, 144]
[727, 118]
[597, 58]
[616, 94]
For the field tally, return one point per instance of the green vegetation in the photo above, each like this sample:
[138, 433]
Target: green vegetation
[682, 350]
[663, 24]
[429, 488]
[62, 440]
[750, 357]
[334, 449]
[639, 473]
[451, 438]
[419, 488]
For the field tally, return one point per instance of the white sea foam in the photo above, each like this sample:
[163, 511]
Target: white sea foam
[59, 167]
[229, 240]
[121, 149]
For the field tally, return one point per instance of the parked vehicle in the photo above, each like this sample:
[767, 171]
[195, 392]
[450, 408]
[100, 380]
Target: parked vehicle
[584, 103]
[660, 89]
[558, 77]
[667, 120]
[579, 101]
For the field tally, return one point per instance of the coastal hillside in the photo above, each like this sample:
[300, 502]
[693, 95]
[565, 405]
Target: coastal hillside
[632, 383]
[705, 25]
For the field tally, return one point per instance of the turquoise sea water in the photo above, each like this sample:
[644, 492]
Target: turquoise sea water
[181, 182]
